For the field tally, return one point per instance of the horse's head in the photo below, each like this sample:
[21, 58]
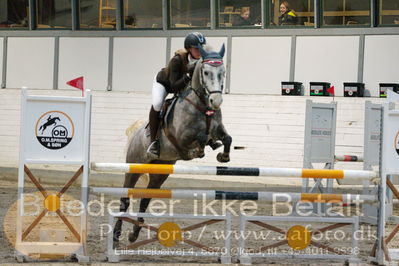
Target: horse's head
[209, 77]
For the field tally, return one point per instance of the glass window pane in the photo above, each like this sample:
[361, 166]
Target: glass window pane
[143, 14]
[346, 12]
[389, 12]
[292, 13]
[190, 13]
[54, 14]
[240, 13]
[14, 14]
[98, 14]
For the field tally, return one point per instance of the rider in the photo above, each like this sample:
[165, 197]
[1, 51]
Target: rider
[172, 79]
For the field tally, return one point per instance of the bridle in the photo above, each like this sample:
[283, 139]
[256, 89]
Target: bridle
[214, 63]
[208, 112]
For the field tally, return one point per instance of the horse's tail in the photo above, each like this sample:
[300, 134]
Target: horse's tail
[131, 131]
[133, 128]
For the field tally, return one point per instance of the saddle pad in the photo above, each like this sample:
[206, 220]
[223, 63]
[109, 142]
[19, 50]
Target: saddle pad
[167, 113]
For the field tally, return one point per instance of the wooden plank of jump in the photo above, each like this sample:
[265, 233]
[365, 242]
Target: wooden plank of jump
[386, 251]
[392, 234]
[70, 182]
[330, 227]
[140, 224]
[393, 188]
[268, 226]
[35, 182]
[275, 245]
[198, 245]
[33, 224]
[141, 243]
[68, 224]
[199, 225]
[319, 245]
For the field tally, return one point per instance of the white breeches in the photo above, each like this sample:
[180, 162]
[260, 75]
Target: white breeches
[158, 95]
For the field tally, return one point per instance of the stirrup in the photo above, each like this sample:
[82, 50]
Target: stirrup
[153, 149]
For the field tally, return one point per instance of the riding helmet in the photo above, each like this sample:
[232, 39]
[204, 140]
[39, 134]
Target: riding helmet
[194, 39]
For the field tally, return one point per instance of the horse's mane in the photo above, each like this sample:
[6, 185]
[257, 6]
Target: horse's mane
[195, 81]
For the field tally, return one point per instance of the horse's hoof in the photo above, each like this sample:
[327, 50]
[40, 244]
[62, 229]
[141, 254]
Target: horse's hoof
[223, 158]
[133, 237]
[117, 231]
[116, 236]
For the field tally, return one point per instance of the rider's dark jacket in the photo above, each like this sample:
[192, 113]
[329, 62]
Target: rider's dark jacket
[173, 77]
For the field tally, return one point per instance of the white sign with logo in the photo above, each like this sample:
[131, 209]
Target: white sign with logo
[54, 128]
[54, 131]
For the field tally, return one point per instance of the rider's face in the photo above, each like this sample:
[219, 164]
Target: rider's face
[195, 53]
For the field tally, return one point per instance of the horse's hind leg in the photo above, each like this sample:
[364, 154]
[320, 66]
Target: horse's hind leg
[156, 182]
[130, 182]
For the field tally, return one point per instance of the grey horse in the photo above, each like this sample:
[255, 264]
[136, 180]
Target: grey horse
[194, 121]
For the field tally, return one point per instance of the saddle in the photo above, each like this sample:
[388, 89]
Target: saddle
[167, 107]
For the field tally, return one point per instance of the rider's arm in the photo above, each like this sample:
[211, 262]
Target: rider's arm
[177, 79]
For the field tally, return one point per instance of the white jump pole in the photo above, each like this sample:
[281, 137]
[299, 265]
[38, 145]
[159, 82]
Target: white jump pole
[233, 171]
[233, 195]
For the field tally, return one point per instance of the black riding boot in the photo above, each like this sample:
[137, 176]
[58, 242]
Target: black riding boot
[153, 149]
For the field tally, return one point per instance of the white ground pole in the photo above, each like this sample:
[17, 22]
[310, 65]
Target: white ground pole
[246, 257]
[196, 194]
[224, 253]
[234, 171]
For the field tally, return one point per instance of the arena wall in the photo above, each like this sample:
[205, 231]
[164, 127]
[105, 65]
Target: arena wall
[255, 64]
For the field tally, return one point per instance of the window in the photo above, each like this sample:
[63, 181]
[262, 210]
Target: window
[240, 13]
[98, 14]
[54, 14]
[346, 12]
[143, 14]
[389, 12]
[292, 12]
[190, 13]
[14, 13]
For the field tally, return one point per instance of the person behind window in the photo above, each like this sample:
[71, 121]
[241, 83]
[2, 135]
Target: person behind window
[243, 19]
[173, 79]
[288, 16]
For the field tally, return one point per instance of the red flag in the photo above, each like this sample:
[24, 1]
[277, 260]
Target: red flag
[77, 83]
[331, 90]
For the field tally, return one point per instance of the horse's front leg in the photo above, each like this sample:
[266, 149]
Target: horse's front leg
[226, 139]
[156, 182]
[202, 140]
